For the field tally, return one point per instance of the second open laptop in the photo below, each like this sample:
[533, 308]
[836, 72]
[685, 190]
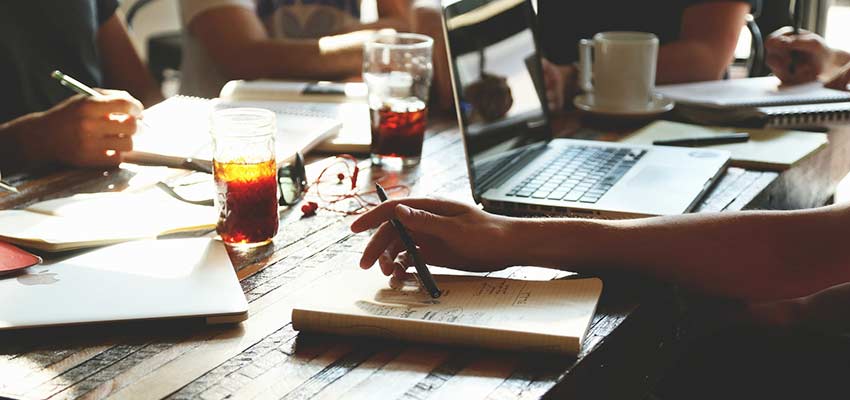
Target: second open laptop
[515, 165]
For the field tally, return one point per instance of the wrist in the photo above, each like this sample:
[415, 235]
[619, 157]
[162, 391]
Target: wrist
[23, 146]
[838, 58]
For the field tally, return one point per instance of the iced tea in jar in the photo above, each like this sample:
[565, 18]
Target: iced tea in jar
[245, 173]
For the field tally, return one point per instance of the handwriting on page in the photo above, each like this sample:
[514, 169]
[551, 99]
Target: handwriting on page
[473, 301]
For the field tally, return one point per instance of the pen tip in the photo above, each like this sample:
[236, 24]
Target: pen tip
[57, 74]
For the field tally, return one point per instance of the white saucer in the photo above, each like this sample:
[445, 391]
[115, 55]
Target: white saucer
[658, 105]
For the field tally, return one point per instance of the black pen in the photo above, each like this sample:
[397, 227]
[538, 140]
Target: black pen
[705, 141]
[423, 275]
[798, 18]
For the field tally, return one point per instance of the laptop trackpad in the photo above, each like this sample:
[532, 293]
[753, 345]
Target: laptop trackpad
[661, 190]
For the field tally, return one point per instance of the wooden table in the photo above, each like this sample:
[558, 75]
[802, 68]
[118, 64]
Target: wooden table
[630, 342]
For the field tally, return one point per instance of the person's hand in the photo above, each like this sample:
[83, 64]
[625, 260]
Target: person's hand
[825, 310]
[84, 131]
[560, 82]
[813, 56]
[448, 234]
[840, 80]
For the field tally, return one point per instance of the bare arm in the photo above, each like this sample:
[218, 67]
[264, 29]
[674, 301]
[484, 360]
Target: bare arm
[752, 256]
[122, 67]
[749, 255]
[245, 51]
[706, 45]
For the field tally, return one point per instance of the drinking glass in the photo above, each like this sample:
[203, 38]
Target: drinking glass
[245, 173]
[397, 70]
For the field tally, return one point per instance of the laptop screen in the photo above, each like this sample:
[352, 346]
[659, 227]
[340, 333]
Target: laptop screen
[497, 82]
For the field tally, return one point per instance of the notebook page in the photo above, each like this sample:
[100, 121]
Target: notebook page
[472, 309]
[86, 220]
[773, 149]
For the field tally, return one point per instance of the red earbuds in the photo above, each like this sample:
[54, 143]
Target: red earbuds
[309, 208]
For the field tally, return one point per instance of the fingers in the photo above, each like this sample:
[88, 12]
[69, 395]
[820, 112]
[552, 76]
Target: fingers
[113, 103]
[386, 210]
[108, 127]
[388, 260]
[379, 242]
[95, 158]
[423, 221]
[115, 143]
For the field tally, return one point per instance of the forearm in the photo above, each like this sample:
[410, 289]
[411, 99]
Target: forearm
[331, 58]
[751, 255]
[121, 65]
[16, 139]
[689, 61]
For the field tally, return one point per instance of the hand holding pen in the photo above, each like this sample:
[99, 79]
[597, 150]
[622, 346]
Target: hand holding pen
[85, 131]
[423, 275]
[797, 16]
[447, 233]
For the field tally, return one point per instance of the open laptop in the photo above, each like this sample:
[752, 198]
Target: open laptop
[140, 280]
[515, 166]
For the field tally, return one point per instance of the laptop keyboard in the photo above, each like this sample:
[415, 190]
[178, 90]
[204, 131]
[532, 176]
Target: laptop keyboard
[579, 173]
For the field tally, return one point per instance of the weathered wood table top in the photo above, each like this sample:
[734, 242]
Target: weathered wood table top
[264, 358]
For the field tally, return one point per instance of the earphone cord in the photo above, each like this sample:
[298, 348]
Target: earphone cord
[352, 193]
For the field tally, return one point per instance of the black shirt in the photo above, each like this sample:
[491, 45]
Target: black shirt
[39, 36]
[563, 23]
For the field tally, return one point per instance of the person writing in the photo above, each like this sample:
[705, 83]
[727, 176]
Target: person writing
[294, 40]
[791, 270]
[42, 122]
[791, 266]
[697, 37]
[813, 59]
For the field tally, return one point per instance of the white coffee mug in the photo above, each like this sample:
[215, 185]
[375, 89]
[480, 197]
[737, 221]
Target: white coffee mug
[618, 69]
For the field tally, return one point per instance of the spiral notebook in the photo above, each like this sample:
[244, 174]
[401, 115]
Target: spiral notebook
[758, 102]
[750, 92]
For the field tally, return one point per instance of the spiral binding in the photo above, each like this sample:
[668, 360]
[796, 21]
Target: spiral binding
[808, 114]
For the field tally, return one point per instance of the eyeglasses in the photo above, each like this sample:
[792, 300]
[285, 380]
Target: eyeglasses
[291, 180]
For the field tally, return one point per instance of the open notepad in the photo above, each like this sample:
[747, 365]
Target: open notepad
[341, 101]
[179, 128]
[89, 220]
[767, 149]
[510, 314]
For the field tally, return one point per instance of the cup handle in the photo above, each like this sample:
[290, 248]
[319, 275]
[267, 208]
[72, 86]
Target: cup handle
[585, 65]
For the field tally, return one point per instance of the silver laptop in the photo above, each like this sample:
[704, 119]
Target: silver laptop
[147, 279]
[515, 166]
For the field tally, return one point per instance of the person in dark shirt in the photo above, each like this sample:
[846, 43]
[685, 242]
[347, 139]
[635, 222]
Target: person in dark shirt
[41, 121]
[697, 37]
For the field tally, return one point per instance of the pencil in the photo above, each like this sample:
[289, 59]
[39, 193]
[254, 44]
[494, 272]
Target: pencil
[423, 275]
[798, 18]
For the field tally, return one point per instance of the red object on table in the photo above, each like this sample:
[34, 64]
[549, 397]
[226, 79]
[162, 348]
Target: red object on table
[13, 259]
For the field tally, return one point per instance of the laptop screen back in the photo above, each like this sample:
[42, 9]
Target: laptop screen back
[497, 82]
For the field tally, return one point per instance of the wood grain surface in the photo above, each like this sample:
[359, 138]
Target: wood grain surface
[264, 358]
